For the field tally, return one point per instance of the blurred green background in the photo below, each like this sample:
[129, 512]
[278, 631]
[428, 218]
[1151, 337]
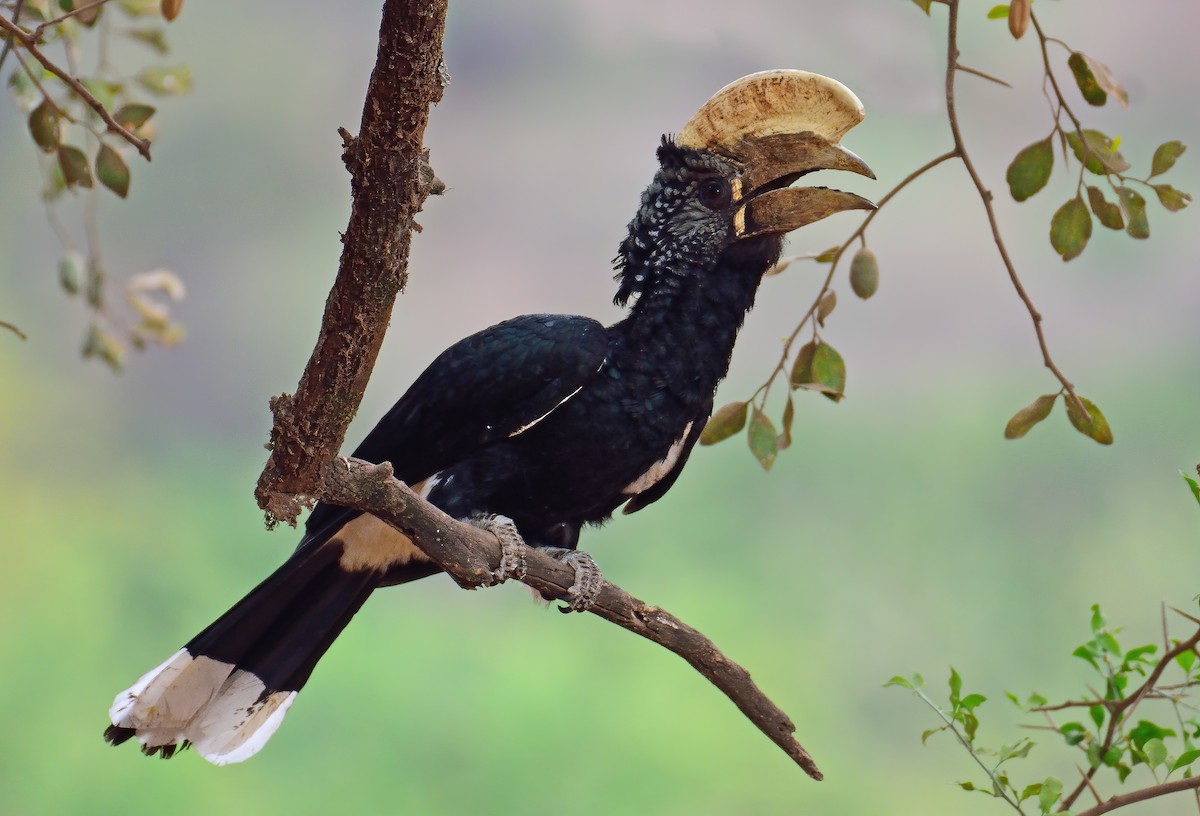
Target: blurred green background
[901, 533]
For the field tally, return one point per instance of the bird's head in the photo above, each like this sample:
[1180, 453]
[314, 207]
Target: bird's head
[723, 182]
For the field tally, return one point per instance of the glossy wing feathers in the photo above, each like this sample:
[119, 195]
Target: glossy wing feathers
[484, 388]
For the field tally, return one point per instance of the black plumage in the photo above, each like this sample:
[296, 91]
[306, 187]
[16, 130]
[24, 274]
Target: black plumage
[553, 421]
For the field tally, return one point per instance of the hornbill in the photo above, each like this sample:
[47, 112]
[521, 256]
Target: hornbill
[537, 425]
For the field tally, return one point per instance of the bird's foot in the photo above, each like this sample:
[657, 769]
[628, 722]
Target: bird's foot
[512, 546]
[588, 580]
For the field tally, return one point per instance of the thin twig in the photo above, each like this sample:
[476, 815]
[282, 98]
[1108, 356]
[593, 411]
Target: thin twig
[29, 43]
[781, 366]
[16, 16]
[6, 325]
[37, 32]
[1091, 787]
[985, 196]
[982, 75]
[998, 788]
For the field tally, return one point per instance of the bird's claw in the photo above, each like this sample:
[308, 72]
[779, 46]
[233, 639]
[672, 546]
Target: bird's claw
[588, 579]
[512, 546]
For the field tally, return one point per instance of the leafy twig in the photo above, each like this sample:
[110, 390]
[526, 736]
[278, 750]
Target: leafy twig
[29, 43]
[949, 724]
[985, 196]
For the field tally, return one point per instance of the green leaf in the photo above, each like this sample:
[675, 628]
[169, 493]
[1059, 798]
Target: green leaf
[1030, 170]
[829, 370]
[1103, 78]
[74, 166]
[917, 682]
[826, 306]
[104, 91]
[153, 37]
[112, 170]
[1086, 79]
[1097, 427]
[998, 12]
[923, 5]
[972, 701]
[1137, 225]
[1145, 731]
[828, 255]
[761, 438]
[70, 272]
[864, 273]
[802, 366]
[166, 80]
[133, 116]
[929, 732]
[1107, 213]
[44, 126]
[1186, 758]
[1107, 641]
[1030, 790]
[1156, 752]
[1030, 415]
[99, 343]
[1097, 152]
[1070, 228]
[955, 686]
[1195, 486]
[819, 367]
[1098, 621]
[1018, 751]
[1165, 157]
[1073, 732]
[1140, 654]
[784, 439]
[1174, 200]
[1050, 791]
[728, 420]
[1097, 713]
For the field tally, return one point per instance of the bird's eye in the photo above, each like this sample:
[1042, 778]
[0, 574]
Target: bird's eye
[715, 193]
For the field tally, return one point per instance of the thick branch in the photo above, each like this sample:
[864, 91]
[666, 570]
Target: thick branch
[385, 163]
[1152, 792]
[470, 556]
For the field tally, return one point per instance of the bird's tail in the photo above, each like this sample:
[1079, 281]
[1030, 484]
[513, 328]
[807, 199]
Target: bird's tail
[228, 689]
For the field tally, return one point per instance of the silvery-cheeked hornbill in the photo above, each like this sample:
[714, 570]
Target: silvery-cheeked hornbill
[545, 422]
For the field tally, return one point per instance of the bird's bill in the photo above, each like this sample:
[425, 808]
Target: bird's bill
[781, 211]
[777, 126]
[773, 162]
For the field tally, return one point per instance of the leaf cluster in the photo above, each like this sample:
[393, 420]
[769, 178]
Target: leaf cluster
[1095, 152]
[1109, 738]
[84, 126]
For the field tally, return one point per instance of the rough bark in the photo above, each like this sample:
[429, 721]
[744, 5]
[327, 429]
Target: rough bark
[385, 162]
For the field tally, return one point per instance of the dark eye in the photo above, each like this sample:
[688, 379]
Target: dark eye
[715, 193]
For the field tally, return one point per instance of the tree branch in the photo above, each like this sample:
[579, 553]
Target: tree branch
[385, 162]
[1152, 792]
[985, 196]
[390, 180]
[470, 556]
